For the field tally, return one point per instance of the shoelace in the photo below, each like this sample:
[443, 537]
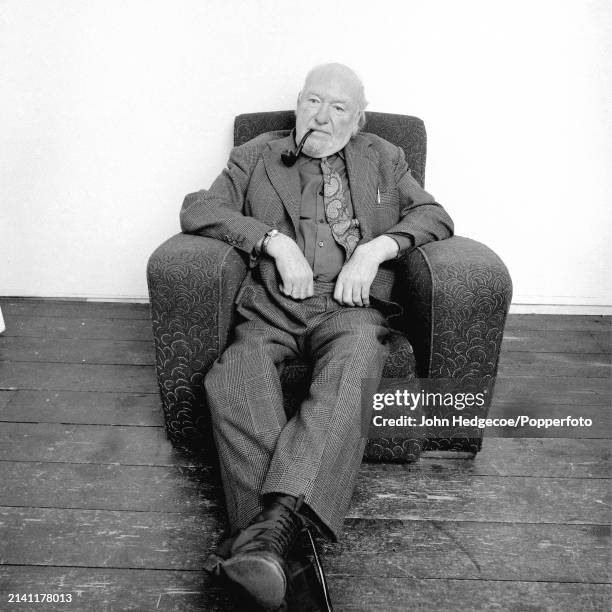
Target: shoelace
[278, 533]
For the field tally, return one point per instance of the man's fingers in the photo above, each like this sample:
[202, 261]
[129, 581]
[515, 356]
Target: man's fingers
[298, 287]
[305, 286]
[347, 295]
[348, 292]
[338, 291]
[365, 296]
[353, 284]
[294, 270]
[310, 288]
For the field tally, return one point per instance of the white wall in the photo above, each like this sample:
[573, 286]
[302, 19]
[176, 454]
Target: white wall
[112, 110]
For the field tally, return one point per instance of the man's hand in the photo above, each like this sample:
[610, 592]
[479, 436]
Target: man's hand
[294, 269]
[357, 274]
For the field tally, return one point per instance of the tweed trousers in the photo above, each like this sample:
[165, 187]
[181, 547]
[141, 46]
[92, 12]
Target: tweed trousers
[317, 452]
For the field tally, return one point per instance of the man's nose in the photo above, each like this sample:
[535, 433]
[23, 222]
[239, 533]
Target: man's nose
[322, 115]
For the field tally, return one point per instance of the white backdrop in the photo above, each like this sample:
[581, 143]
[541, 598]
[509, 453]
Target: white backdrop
[111, 111]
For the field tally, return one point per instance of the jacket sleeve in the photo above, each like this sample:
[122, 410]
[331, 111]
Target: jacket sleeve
[219, 211]
[423, 220]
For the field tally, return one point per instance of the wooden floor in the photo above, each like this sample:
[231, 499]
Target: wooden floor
[95, 502]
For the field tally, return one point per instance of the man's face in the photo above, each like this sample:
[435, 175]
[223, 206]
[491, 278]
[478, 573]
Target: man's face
[329, 104]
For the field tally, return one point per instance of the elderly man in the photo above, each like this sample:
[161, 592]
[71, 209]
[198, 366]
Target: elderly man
[322, 227]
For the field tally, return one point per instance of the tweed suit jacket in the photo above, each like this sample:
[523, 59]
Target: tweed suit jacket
[256, 192]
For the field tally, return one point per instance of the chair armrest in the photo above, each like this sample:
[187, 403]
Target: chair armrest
[193, 282]
[456, 298]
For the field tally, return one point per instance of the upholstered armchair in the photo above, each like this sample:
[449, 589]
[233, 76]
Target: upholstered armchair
[455, 294]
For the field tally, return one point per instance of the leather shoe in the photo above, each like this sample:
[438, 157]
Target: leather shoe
[258, 553]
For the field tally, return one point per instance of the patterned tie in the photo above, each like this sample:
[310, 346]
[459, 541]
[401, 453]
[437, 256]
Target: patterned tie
[344, 229]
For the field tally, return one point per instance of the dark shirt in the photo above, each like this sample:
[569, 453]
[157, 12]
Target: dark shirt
[325, 256]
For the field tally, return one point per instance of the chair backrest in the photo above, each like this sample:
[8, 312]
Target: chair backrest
[402, 130]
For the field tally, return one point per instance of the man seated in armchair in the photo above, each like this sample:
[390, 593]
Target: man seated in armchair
[322, 224]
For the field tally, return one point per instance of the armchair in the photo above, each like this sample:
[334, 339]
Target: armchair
[455, 296]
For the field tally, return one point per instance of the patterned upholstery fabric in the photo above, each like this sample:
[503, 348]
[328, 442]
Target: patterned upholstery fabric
[456, 296]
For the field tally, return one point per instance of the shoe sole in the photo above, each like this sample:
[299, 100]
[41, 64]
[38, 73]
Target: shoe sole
[262, 578]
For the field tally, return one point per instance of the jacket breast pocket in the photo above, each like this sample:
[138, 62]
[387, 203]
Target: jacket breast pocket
[384, 217]
[387, 196]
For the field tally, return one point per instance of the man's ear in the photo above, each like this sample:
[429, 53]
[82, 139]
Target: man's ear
[296, 105]
[358, 122]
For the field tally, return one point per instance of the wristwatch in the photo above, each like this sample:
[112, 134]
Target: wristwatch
[267, 237]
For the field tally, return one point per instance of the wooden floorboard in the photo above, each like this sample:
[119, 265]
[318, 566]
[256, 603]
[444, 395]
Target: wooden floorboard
[59, 443]
[370, 547]
[384, 594]
[77, 327]
[77, 377]
[84, 443]
[563, 323]
[96, 502]
[126, 590]
[554, 342]
[5, 399]
[530, 391]
[533, 365]
[482, 498]
[110, 487]
[426, 496]
[81, 407]
[14, 308]
[74, 350]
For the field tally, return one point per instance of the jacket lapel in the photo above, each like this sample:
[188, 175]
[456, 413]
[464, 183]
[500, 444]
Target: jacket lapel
[361, 167]
[285, 180]
[362, 171]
